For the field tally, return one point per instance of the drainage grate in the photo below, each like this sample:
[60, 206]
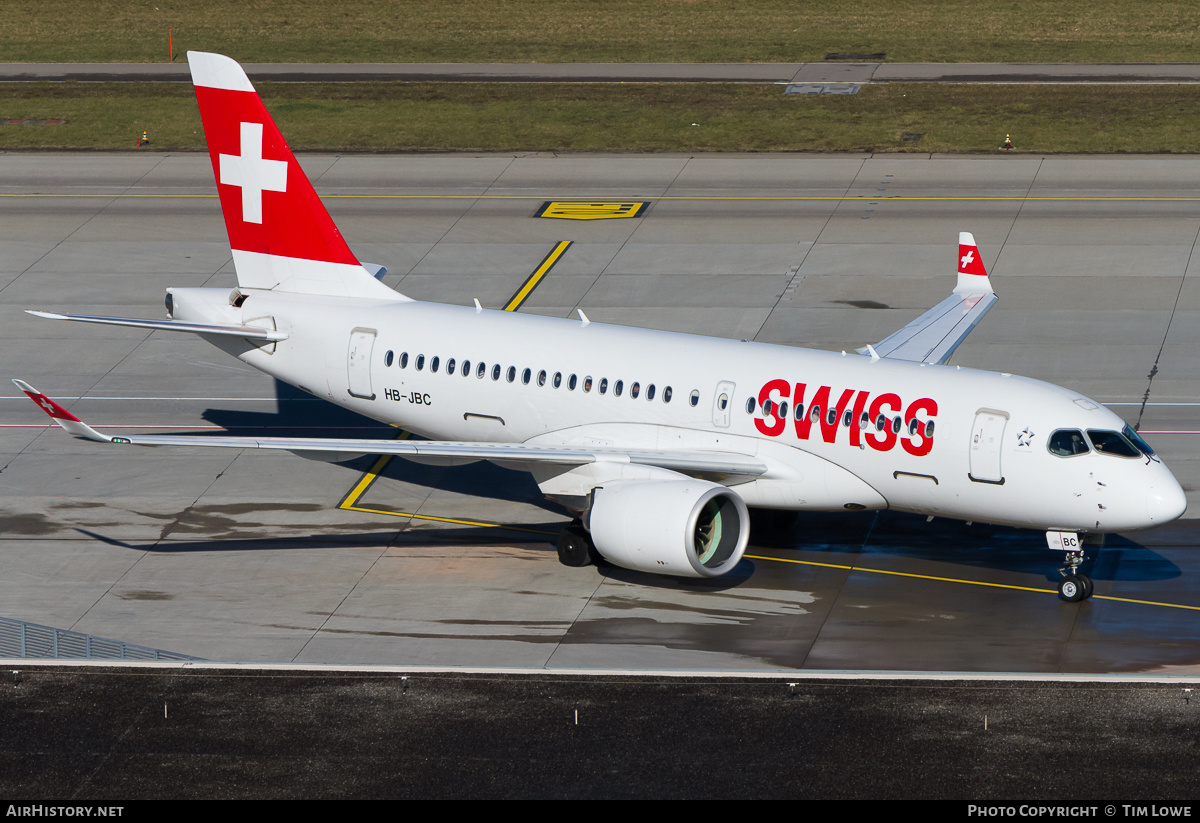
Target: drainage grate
[909, 137]
[822, 88]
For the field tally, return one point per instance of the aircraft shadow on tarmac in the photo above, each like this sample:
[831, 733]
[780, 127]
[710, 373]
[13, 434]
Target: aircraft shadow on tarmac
[977, 545]
[300, 415]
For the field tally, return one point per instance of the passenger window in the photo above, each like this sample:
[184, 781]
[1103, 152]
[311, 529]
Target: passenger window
[571, 382]
[587, 384]
[782, 413]
[450, 366]
[557, 379]
[831, 417]
[723, 402]
[815, 414]
[481, 370]
[387, 359]
[542, 377]
[650, 392]
[496, 372]
[695, 398]
[603, 385]
[847, 419]
[526, 375]
[1107, 442]
[617, 387]
[466, 369]
[433, 364]
[768, 407]
[880, 423]
[799, 411]
[404, 360]
[512, 373]
[635, 390]
[420, 362]
[1067, 443]
[667, 394]
[896, 425]
[864, 420]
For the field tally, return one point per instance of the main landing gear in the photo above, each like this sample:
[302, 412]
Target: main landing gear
[1075, 585]
[575, 546]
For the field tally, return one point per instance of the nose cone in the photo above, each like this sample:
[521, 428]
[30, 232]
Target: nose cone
[1165, 500]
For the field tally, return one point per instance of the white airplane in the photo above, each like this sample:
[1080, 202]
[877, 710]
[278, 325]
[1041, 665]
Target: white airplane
[657, 442]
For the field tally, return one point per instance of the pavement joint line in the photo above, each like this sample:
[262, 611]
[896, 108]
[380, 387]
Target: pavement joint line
[350, 501]
[965, 582]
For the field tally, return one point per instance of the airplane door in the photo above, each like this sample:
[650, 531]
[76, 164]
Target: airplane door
[358, 363]
[987, 436]
[722, 403]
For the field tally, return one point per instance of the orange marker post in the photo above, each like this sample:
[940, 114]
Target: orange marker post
[170, 48]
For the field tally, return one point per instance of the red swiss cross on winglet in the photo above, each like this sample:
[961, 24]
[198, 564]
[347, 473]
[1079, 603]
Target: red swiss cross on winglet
[969, 261]
[47, 405]
[66, 420]
[972, 276]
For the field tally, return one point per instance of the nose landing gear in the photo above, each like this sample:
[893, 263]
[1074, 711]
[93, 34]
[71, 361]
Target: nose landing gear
[1075, 585]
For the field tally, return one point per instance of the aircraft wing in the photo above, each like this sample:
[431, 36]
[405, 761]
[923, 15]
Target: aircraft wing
[934, 336]
[725, 464]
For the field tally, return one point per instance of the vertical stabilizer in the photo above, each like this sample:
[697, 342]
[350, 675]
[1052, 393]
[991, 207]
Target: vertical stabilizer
[281, 235]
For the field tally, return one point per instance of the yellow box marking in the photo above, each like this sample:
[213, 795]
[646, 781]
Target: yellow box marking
[565, 210]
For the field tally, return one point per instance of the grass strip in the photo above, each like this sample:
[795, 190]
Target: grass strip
[602, 30]
[400, 117]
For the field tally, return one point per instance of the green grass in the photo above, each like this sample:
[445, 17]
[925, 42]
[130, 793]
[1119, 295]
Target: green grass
[388, 117]
[601, 30]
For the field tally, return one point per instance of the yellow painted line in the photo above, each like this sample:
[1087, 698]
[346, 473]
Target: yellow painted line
[532, 281]
[966, 582]
[580, 210]
[716, 198]
[350, 502]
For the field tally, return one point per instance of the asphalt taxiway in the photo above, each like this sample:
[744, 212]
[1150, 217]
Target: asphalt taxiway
[268, 557]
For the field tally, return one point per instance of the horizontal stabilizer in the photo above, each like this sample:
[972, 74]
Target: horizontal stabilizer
[247, 332]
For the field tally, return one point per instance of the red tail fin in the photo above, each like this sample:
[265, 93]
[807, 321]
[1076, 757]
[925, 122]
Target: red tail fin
[282, 236]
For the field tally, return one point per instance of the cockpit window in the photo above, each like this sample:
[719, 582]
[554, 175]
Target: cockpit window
[1137, 440]
[1067, 443]
[1107, 442]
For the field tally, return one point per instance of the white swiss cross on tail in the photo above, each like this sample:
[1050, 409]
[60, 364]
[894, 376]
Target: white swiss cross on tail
[252, 173]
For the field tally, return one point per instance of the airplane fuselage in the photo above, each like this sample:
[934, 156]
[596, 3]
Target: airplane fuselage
[870, 434]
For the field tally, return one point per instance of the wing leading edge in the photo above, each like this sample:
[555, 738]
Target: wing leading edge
[934, 336]
[725, 464]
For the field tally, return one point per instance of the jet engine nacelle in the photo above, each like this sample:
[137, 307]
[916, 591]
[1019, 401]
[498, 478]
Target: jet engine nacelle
[686, 528]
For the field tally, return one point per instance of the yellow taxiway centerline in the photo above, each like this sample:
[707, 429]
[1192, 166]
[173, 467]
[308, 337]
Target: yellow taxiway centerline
[966, 582]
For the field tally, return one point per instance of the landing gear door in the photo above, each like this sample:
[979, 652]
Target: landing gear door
[987, 437]
[358, 363]
[722, 403]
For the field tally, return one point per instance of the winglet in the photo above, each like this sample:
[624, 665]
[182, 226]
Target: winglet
[61, 416]
[972, 276]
